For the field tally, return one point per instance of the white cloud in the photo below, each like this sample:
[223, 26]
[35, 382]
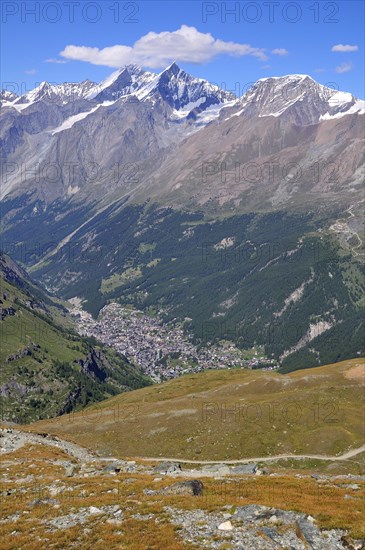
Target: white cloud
[156, 50]
[31, 71]
[54, 60]
[279, 51]
[344, 68]
[344, 48]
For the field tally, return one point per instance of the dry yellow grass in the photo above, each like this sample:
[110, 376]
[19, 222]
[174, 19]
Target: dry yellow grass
[326, 502]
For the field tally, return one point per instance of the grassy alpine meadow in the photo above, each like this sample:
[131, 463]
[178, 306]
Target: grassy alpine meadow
[228, 414]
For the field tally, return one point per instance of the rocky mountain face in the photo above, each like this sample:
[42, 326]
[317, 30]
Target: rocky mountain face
[250, 163]
[7, 96]
[288, 141]
[126, 81]
[74, 140]
[297, 99]
[129, 162]
[131, 117]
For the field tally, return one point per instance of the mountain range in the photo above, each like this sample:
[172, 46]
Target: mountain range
[250, 208]
[52, 134]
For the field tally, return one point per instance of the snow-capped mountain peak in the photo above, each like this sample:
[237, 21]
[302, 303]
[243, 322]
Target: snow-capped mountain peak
[186, 95]
[183, 92]
[125, 81]
[296, 97]
[57, 93]
[6, 96]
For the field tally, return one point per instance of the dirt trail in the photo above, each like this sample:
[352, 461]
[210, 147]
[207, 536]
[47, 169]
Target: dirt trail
[12, 439]
[345, 456]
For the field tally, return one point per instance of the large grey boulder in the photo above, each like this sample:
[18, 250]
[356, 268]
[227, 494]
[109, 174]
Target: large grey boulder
[219, 469]
[245, 469]
[252, 512]
[309, 532]
[194, 487]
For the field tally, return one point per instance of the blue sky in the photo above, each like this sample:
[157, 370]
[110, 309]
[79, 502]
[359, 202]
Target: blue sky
[230, 43]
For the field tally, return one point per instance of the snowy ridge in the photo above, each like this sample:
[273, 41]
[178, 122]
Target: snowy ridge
[357, 108]
[7, 97]
[56, 93]
[195, 101]
[174, 86]
[298, 97]
[186, 100]
[123, 82]
[189, 97]
[179, 89]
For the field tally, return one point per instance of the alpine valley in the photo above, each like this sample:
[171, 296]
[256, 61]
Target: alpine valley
[240, 217]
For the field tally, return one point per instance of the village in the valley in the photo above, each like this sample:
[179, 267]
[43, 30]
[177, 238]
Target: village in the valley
[163, 350]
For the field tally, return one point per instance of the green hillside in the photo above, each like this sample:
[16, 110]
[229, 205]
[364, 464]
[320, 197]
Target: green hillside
[46, 368]
[280, 280]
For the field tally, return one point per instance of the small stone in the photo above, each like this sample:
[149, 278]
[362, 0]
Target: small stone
[224, 471]
[149, 492]
[40, 501]
[94, 510]
[225, 526]
[114, 521]
[273, 519]
[69, 471]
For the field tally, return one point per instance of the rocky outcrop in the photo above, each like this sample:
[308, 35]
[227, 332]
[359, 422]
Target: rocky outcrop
[27, 351]
[94, 365]
[5, 311]
[13, 388]
[259, 527]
